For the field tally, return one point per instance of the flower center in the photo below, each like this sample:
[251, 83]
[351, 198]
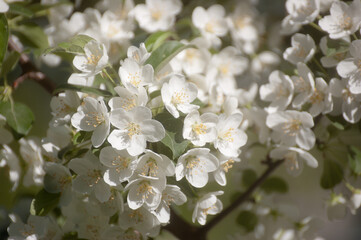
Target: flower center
[346, 22]
[94, 119]
[134, 79]
[128, 103]
[156, 14]
[192, 162]
[133, 129]
[179, 97]
[228, 165]
[150, 168]
[145, 189]
[199, 128]
[292, 127]
[93, 60]
[95, 176]
[228, 135]
[137, 216]
[120, 163]
[316, 97]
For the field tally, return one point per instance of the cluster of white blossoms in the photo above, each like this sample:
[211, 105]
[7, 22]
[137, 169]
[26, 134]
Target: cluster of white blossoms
[143, 128]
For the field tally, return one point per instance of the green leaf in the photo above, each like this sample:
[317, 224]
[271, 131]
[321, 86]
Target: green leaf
[84, 89]
[81, 136]
[74, 46]
[154, 94]
[248, 220]
[4, 35]
[337, 47]
[36, 8]
[20, 9]
[177, 148]
[354, 160]
[156, 39]
[44, 202]
[275, 184]
[9, 63]
[33, 35]
[249, 176]
[332, 174]
[18, 116]
[163, 54]
[198, 102]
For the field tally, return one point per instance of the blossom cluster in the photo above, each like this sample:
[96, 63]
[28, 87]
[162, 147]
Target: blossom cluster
[142, 127]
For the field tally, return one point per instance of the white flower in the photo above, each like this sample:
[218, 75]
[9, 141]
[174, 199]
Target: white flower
[30, 151]
[351, 105]
[224, 66]
[355, 200]
[331, 60]
[93, 116]
[321, 99]
[350, 67]
[279, 91]
[155, 165]
[5, 136]
[63, 107]
[289, 26]
[135, 128]
[230, 137]
[94, 60]
[134, 77]
[157, 15]
[128, 100]
[302, 11]
[114, 29]
[195, 165]
[211, 23]
[58, 180]
[302, 50]
[200, 129]
[120, 165]
[178, 94]
[56, 139]
[225, 163]
[140, 55]
[8, 158]
[326, 4]
[145, 191]
[284, 234]
[294, 158]
[264, 62]
[292, 127]
[304, 85]
[171, 194]
[90, 177]
[141, 220]
[35, 228]
[344, 19]
[209, 204]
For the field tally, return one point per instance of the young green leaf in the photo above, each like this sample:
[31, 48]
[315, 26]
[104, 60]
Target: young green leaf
[4, 35]
[20, 9]
[163, 54]
[74, 46]
[9, 63]
[275, 184]
[332, 174]
[33, 35]
[156, 39]
[177, 148]
[354, 160]
[248, 220]
[18, 116]
[44, 202]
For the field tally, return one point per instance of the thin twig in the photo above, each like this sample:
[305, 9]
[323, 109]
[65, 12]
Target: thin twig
[30, 71]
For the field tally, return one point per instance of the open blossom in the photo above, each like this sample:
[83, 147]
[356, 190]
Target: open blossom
[302, 11]
[92, 116]
[209, 204]
[9, 159]
[63, 107]
[294, 158]
[304, 85]
[344, 19]
[225, 163]
[114, 29]
[94, 59]
[230, 136]
[211, 23]
[331, 60]
[128, 100]
[350, 67]
[171, 194]
[200, 129]
[195, 165]
[134, 129]
[35, 228]
[302, 50]
[120, 165]
[145, 191]
[90, 177]
[292, 127]
[321, 98]
[140, 55]
[155, 165]
[157, 15]
[178, 94]
[279, 91]
[134, 76]
[351, 103]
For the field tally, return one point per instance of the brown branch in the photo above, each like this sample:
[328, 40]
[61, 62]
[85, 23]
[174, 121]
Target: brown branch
[245, 196]
[30, 71]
